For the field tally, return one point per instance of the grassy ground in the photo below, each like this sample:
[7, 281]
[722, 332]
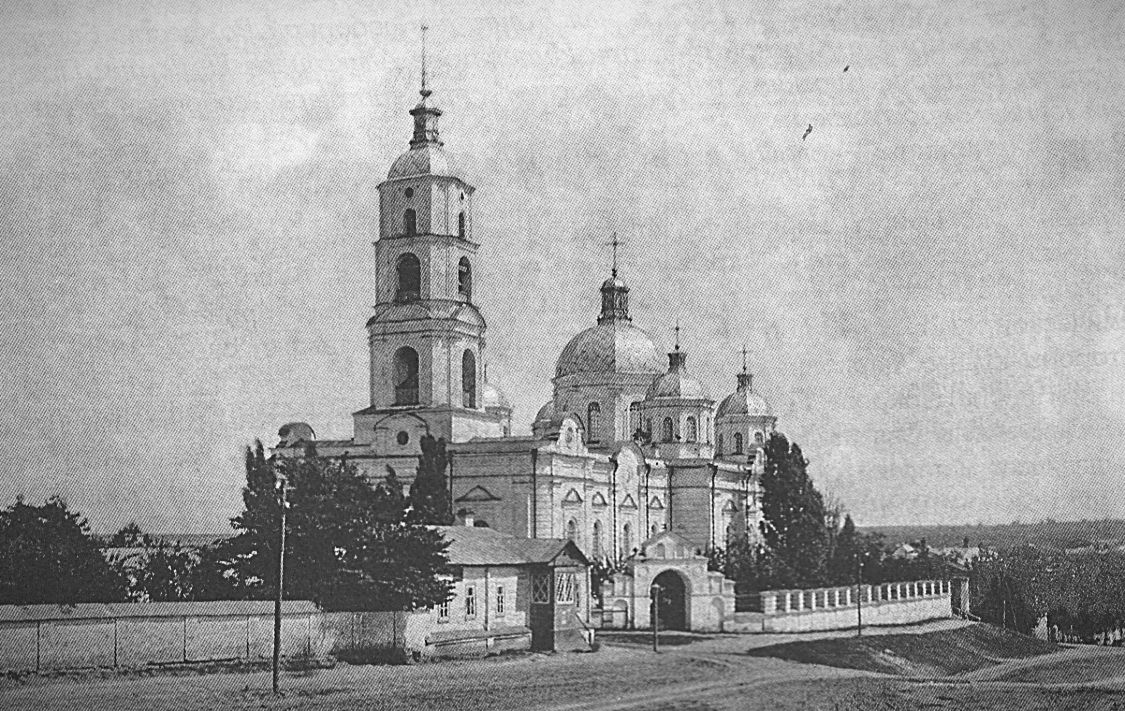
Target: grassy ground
[936, 654]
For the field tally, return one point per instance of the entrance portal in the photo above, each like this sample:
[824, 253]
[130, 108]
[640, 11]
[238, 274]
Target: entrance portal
[671, 608]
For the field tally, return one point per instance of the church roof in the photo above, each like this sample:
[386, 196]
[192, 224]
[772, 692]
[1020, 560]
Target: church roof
[676, 383]
[611, 347]
[470, 545]
[493, 396]
[744, 402]
[426, 159]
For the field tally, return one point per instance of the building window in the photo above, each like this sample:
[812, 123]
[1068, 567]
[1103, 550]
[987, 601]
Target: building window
[409, 272]
[410, 222]
[465, 278]
[634, 418]
[461, 225]
[443, 612]
[564, 587]
[738, 443]
[692, 432]
[541, 588]
[468, 379]
[409, 192]
[593, 421]
[499, 599]
[648, 426]
[406, 376]
[403, 438]
[596, 543]
[759, 438]
[470, 602]
[572, 530]
[667, 432]
[719, 445]
[627, 539]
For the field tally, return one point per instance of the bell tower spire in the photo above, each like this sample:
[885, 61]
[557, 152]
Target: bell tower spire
[425, 116]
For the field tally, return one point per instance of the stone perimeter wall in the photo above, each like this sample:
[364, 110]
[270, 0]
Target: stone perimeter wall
[129, 635]
[835, 608]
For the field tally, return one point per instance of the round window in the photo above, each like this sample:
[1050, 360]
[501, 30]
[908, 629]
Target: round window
[403, 437]
[410, 192]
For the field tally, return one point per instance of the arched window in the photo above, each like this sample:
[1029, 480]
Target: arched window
[409, 272]
[406, 376]
[759, 438]
[667, 432]
[634, 418]
[648, 426]
[461, 225]
[719, 445]
[410, 222]
[738, 443]
[692, 432]
[627, 540]
[593, 421]
[572, 530]
[468, 379]
[596, 544]
[465, 278]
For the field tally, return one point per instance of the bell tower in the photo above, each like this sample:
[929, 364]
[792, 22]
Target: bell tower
[426, 337]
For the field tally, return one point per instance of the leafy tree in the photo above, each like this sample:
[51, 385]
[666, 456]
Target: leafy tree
[348, 544]
[429, 494]
[843, 561]
[48, 556]
[795, 533]
[129, 536]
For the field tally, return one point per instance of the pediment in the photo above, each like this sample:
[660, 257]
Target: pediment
[598, 499]
[477, 493]
[656, 503]
[729, 507]
[629, 502]
[572, 497]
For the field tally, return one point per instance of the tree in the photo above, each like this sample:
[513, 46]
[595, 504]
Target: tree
[348, 544]
[795, 532]
[48, 556]
[429, 494]
[843, 562]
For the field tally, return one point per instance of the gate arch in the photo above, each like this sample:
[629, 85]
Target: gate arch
[672, 608]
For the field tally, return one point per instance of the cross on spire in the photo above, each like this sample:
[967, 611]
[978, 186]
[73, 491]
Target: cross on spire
[615, 243]
[677, 330]
[425, 91]
[744, 352]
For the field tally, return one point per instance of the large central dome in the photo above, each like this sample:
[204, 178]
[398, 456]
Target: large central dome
[610, 347]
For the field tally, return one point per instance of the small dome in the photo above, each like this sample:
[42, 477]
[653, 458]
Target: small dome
[611, 347]
[546, 413]
[744, 402]
[493, 396]
[613, 283]
[676, 384]
[426, 159]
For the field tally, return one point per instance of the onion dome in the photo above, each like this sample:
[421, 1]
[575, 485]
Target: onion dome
[615, 345]
[546, 413]
[676, 383]
[744, 401]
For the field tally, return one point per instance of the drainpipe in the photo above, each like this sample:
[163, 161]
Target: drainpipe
[648, 499]
[671, 475]
[451, 484]
[613, 502]
[534, 524]
[711, 508]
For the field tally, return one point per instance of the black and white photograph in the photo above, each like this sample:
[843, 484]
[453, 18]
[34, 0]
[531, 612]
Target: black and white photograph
[572, 356]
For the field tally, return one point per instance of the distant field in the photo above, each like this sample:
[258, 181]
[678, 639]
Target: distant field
[1050, 534]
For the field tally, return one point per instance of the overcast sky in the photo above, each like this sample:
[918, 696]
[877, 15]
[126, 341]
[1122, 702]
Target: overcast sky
[931, 285]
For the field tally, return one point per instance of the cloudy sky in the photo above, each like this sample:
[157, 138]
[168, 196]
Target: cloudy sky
[931, 285]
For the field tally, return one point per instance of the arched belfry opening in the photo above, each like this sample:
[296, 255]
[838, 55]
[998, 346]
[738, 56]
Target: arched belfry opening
[671, 607]
[406, 376]
[408, 273]
[468, 379]
[465, 278]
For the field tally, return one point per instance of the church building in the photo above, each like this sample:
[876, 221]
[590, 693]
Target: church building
[629, 446]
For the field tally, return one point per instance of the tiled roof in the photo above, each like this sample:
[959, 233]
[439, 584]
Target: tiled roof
[470, 545]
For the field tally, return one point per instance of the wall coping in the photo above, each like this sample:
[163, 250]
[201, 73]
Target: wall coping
[124, 610]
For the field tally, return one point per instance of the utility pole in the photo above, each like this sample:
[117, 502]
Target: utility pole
[654, 592]
[284, 504]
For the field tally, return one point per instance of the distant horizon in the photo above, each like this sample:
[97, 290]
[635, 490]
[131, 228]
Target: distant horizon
[931, 283]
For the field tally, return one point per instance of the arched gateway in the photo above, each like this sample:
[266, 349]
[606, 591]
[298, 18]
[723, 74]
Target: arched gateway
[691, 596]
[671, 607]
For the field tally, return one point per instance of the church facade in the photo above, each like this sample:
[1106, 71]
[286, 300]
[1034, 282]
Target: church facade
[628, 446]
